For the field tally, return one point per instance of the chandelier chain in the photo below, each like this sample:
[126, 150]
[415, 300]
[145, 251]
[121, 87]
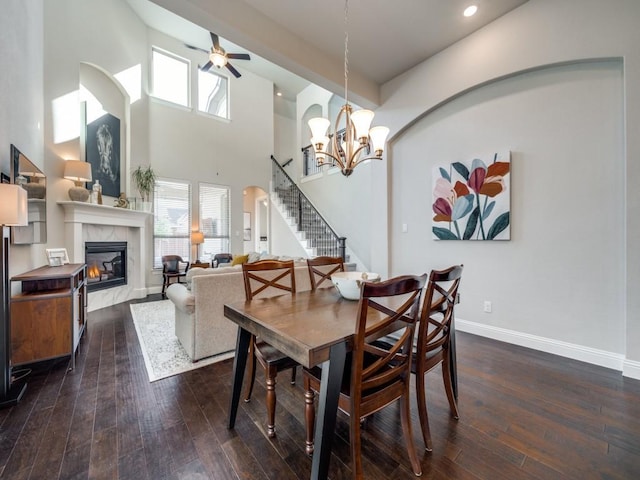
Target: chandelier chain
[346, 52]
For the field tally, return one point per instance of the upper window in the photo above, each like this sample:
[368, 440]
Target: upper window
[171, 220]
[170, 77]
[213, 94]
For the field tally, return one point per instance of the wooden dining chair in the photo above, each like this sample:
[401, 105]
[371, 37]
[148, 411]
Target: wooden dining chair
[375, 376]
[434, 340]
[261, 278]
[173, 268]
[321, 269]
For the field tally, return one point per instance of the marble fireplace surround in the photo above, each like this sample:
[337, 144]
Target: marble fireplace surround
[86, 222]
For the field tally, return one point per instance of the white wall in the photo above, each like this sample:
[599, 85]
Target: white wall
[564, 129]
[198, 148]
[535, 35]
[177, 143]
[21, 108]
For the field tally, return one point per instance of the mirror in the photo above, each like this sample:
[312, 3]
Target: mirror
[33, 180]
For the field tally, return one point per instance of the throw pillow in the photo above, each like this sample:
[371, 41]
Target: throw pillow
[253, 257]
[239, 259]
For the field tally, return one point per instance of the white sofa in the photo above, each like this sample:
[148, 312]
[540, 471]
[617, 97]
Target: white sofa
[201, 325]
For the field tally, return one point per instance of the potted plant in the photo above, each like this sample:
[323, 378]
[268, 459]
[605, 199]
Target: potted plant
[145, 179]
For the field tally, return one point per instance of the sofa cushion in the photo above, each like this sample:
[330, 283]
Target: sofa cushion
[239, 259]
[253, 257]
[195, 272]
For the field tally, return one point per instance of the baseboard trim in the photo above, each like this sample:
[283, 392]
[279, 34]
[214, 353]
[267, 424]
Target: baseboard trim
[594, 356]
[631, 369]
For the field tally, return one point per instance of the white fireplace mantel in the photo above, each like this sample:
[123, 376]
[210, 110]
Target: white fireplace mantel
[90, 222]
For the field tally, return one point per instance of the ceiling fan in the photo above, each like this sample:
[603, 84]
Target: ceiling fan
[219, 57]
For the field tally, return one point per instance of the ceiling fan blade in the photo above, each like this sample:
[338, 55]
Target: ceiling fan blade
[233, 70]
[214, 39]
[196, 48]
[239, 56]
[206, 66]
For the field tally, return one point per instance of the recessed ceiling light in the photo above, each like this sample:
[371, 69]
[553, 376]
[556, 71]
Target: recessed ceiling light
[279, 94]
[470, 10]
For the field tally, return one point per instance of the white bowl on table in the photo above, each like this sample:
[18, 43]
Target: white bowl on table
[350, 283]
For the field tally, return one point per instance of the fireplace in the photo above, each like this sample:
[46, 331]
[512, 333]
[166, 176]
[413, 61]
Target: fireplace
[106, 264]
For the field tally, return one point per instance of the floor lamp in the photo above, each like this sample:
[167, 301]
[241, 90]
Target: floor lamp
[13, 212]
[197, 238]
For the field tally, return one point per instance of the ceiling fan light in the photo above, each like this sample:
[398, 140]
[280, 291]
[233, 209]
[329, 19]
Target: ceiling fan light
[218, 59]
[378, 137]
[361, 120]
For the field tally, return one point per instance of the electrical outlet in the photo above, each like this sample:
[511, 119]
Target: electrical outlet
[487, 306]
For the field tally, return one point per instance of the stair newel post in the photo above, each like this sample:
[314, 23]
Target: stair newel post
[342, 248]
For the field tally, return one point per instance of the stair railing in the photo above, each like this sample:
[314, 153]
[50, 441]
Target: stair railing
[322, 237]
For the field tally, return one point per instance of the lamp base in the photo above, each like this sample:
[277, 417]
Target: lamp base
[78, 194]
[13, 396]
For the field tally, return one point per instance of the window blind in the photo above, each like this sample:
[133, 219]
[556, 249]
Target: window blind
[171, 220]
[215, 219]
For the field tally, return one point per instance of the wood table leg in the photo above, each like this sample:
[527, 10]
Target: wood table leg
[327, 410]
[239, 364]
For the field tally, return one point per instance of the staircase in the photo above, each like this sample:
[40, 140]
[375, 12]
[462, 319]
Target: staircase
[313, 232]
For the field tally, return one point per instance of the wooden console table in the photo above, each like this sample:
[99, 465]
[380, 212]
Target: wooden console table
[201, 264]
[48, 315]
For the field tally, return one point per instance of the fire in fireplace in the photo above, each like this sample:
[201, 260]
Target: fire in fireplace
[106, 264]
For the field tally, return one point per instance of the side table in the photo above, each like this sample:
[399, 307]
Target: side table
[201, 264]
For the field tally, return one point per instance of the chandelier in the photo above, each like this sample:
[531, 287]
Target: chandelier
[358, 142]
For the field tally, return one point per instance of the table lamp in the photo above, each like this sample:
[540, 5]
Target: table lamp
[79, 172]
[196, 239]
[13, 212]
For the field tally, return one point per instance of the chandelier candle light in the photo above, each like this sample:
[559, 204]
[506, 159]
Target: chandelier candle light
[358, 137]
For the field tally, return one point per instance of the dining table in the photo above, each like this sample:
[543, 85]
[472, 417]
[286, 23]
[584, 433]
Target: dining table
[313, 328]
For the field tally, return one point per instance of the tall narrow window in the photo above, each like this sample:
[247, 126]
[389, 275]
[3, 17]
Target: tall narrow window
[171, 220]
[214, 219]
[170, 77]
[213, 95]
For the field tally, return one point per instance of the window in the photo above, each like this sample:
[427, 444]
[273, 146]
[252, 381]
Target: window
[171, 220]
[213, 94]
[170, 77]
[214, 219]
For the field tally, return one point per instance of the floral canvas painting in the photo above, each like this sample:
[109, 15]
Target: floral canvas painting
[472, 201]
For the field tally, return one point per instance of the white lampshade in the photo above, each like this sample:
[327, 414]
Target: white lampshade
[77, 170]
[318, 127]
[197, 238]
[361, 120]
[378, 137]
[13, 205]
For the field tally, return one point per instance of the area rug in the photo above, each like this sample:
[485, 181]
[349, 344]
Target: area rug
[163, 354]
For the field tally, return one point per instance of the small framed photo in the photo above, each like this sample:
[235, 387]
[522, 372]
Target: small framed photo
[57, 257]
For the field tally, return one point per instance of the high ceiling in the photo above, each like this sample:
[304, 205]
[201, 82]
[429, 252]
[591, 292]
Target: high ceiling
[301, 41]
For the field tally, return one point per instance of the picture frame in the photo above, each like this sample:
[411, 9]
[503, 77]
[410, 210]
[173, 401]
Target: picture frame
[102, 144]
[4, 178]
[57, 257]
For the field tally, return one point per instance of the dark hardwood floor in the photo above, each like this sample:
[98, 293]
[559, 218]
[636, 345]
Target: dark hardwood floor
[524, 415]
